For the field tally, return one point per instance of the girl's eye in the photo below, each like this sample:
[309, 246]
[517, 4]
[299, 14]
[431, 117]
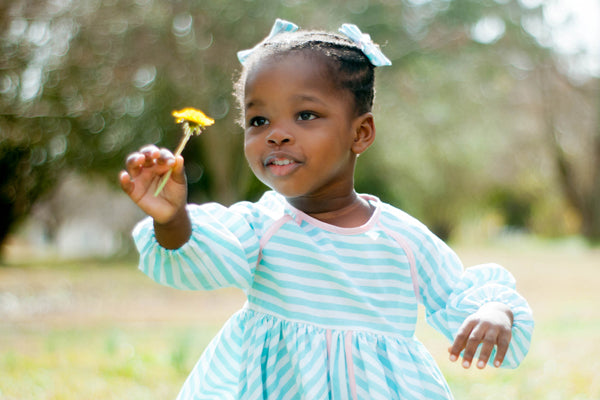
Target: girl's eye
[258, 121]
[306, 116]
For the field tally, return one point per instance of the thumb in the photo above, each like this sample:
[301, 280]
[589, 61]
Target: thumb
[179, 170]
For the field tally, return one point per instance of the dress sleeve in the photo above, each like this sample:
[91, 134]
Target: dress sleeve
[221, 252]
[450, 294]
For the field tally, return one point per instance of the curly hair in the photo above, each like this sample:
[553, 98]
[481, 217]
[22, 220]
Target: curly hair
[348, 68]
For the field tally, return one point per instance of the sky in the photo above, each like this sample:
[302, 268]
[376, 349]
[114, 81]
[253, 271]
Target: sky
[570, 27]
[579, 33]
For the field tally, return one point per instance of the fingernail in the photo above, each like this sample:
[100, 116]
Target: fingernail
[453, 357]
[480, 364]
[497, 363]
[466, 364]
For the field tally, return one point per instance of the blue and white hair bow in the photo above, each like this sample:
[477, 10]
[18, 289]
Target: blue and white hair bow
[280, 26]
[362, 40]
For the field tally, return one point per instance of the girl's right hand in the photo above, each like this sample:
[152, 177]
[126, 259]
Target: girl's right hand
[144, 171]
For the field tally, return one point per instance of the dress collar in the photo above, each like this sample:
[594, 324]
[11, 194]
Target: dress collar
[300, 216]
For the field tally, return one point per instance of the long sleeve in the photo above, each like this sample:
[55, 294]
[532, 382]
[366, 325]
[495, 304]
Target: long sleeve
[450, 294]
[222, 251]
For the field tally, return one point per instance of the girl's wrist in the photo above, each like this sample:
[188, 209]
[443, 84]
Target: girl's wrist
[174, 233]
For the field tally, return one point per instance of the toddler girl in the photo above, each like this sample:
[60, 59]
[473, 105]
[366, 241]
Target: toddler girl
[333, 278]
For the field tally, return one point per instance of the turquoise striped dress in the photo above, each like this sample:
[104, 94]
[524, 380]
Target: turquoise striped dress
[330, 312]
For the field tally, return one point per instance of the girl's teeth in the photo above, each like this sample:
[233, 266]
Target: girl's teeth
[282, 162]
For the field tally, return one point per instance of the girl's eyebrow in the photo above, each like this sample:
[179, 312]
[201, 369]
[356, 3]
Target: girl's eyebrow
[251, 103]
[297, 98]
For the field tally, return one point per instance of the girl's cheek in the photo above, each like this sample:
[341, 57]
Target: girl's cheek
[250, 148]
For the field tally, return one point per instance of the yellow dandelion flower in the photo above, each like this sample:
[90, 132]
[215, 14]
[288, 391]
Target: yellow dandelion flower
[193, 116]
[193, 121]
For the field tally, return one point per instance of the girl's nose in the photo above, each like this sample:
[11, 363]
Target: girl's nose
[278, 136]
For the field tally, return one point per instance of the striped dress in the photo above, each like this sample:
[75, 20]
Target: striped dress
[330, 312]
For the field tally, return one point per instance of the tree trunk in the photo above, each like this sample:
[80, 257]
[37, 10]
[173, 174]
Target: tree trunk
[583, 198]
[591, 220]
[21, 184]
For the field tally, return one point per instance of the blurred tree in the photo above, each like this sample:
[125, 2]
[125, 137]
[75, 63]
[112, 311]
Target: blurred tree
[448, 106]
[479, 103]
[574, 142]
[84, 83]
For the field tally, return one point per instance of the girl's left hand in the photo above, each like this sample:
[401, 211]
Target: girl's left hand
[490, 326]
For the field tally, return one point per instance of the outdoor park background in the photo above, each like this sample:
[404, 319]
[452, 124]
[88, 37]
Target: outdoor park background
[488, 128]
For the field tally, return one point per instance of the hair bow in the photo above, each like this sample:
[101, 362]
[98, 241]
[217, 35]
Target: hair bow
[280, 26]
[363, 40]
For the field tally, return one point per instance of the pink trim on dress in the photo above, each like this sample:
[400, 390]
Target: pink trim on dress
[350, 363]
[328, 341]
[300, 215]
[270, 232]
[411, 259]
[349, 359]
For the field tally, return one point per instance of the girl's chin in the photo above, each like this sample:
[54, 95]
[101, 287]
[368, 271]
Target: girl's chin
[285, 190]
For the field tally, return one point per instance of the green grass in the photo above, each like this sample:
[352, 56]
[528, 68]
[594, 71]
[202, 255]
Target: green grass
[103, 331]
[99, 362]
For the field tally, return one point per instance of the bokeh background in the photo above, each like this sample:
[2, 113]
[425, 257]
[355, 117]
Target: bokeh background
[488, 130]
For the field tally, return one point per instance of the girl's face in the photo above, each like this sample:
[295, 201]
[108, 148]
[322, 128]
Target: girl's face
[299, 129]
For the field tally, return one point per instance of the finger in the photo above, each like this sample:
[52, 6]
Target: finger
[125, 181]
[165, 157]
[151, 153]
[179, 170]
[460, 341]
[134, 164]
[475, 338]
[489, 341]
[502, 347]
[149, 148]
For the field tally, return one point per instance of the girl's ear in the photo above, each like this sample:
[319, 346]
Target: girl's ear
[364, 133]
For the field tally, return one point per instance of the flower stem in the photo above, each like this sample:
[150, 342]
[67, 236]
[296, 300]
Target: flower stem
[184, 139]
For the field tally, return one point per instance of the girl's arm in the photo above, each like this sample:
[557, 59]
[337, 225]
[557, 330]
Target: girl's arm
[477, 308]
[186, 246]
[222, 250]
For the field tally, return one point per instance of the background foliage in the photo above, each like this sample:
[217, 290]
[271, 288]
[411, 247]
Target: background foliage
[477, 118]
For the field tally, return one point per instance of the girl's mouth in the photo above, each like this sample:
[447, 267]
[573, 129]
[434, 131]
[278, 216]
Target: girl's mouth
[280, 166]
